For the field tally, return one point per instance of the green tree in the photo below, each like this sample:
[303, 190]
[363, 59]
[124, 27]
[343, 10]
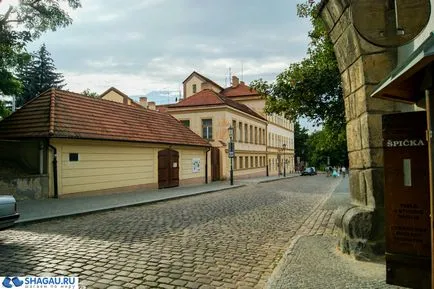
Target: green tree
[311, 88]
[300, 141]
[21, 23]
[4, 111]
[90, 93]
[326, 145]
[38, 76]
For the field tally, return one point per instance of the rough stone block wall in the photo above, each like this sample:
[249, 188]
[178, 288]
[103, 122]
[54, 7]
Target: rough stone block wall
[362, 66]
[25, 187]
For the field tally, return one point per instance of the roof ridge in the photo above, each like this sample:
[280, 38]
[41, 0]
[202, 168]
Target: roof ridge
[75, 94]
[220, 96]
[204, 78]
[52, 111]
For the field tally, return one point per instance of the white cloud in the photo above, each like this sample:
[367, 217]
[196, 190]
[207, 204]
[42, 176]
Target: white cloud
[133, 36]
[107, 17]
[131, 84]
[106, 63]
[153, 44]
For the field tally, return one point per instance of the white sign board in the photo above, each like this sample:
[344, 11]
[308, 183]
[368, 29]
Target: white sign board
[196, 165]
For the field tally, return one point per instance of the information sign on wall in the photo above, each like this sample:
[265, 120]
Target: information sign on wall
[196, 165]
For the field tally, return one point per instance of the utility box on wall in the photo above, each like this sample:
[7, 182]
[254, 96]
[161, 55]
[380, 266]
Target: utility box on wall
[407, 200]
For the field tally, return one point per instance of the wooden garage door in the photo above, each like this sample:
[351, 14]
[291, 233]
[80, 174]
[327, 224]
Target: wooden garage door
[168, 169]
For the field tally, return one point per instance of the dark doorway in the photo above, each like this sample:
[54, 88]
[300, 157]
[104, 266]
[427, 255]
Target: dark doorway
[215, 164]
[168, 169]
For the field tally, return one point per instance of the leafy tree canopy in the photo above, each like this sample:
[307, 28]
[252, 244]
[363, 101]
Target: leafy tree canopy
[21, 23]
[300, 141]
[4, 111]
[37, 16]
[311, 87]
[90, 93]
[327, 145]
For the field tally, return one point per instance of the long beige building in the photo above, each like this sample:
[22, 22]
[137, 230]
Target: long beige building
[67, 143]
[278, 140]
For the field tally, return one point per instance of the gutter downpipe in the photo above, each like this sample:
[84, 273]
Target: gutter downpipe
[56, 189]
[41, 157]
[206, 165]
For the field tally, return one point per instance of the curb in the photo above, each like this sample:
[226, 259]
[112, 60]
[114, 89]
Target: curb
[275, 180]
[289, 251]
[112, 208]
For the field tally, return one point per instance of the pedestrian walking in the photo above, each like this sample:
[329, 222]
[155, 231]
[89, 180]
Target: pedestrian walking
[335, 172]
[344, 171]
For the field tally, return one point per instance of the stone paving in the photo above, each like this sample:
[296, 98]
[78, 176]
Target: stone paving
[229, 239]
[316, 263]
[312, 260]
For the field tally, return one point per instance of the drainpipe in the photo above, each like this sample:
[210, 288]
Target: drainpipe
[56, 190]
[41, 157]
[206, 165]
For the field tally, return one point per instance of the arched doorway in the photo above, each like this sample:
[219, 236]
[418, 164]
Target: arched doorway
[168, 169]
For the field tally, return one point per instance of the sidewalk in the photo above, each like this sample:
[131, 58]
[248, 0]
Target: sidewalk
[313, 260]
[39, 210]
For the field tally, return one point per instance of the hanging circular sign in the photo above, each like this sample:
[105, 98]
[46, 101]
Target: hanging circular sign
[390, 23]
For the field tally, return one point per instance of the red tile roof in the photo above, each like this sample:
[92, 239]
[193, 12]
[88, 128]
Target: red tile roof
[204, 78]
[63, 114]
[240, 90]
[209, 97]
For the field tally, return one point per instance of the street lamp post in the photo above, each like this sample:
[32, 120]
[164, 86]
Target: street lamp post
[231, 152]
[284, 162]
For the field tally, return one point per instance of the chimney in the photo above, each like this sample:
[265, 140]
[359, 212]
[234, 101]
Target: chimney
[143, 101]
[151, 105]
[235, 81]
[205, 85]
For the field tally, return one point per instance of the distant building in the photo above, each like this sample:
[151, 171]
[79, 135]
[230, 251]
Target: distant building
[209, 114]
[276, 142]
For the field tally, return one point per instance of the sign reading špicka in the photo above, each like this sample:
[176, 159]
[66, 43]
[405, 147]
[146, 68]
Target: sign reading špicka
[59, 282]
[405, 143]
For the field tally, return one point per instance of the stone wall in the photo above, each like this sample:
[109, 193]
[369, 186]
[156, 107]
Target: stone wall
[25, 187]
[362, 66]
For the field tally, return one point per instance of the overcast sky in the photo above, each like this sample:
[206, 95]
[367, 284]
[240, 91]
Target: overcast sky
[143, 45]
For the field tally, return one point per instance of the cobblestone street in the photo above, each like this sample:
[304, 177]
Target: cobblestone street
[229, 239]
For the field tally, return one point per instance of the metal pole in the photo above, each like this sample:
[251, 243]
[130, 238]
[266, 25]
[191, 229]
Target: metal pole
[232, 173]
[430, 124]
[231, 152]
[284, 163]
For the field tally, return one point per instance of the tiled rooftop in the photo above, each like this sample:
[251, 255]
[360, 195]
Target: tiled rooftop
[62, 114]
[208, 97]
[240, 90]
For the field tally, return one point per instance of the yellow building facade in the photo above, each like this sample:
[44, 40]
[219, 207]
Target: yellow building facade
[102, 165]
[278, 146]
[80, 144]
[212, 121]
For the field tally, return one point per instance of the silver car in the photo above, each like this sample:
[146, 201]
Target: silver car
[8, 211]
